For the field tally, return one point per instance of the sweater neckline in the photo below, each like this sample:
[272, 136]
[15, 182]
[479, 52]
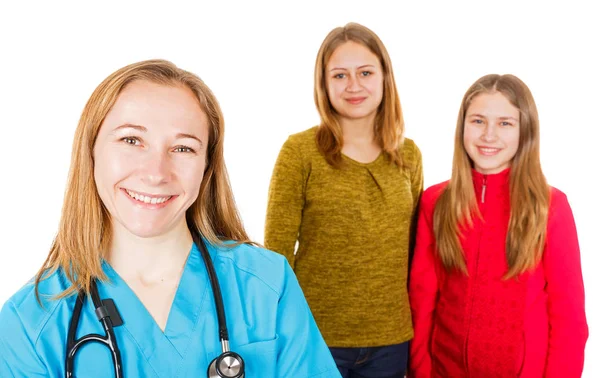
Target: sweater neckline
[360, 164]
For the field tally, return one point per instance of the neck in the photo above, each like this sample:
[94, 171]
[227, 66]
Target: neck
[358, 130]
[152, 259]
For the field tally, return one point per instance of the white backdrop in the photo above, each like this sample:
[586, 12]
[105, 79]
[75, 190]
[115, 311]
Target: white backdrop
[258, 57]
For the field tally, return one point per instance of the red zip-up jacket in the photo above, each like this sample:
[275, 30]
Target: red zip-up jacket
[479, 325]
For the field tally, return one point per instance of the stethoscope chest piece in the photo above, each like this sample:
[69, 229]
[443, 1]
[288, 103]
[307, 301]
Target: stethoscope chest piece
[227, 365]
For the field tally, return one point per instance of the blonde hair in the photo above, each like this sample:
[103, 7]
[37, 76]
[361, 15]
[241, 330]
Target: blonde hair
[529, 191]
[389, 124]
[84, 232]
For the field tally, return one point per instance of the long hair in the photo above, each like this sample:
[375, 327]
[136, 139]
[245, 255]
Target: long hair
[85, 232]
[529, 191]
[389, 123]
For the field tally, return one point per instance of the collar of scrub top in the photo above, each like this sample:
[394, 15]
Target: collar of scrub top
[228, 364]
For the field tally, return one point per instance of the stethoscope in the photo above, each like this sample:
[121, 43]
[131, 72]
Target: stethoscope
[227, 365]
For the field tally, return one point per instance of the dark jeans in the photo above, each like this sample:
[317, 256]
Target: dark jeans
[376, 362]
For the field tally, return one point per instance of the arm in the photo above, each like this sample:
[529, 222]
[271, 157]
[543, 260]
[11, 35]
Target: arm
[285, 203]
[18, 357]
[301, 350]
[568, 331]
[416, 180]
[423, 291]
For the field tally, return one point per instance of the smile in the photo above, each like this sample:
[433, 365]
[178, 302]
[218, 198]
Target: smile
[147, 199]
[356, 100]
[488, 150]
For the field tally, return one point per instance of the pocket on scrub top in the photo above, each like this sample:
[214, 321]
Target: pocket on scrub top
[259, 357]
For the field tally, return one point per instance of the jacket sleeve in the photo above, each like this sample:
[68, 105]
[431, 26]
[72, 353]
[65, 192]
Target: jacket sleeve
[285, 202]
[423, 292]
[301, 350]
[568, 330]
[18, 356]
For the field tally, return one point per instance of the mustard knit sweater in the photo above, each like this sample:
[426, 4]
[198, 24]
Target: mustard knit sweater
[353, 227]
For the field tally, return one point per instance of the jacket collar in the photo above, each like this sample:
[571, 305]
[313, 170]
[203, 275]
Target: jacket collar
[496, 184]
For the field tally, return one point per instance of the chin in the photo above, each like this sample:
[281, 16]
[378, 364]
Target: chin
[146, 230]
[358, 115]
[492, 169]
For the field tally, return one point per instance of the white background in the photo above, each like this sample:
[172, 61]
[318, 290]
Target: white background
[258, 57]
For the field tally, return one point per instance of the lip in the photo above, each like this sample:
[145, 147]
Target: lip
[355, 100]
[488, 151]
[150, 206]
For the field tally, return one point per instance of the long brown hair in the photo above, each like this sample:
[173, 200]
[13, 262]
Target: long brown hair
[529, 191]
[84, 232]
[389, 123]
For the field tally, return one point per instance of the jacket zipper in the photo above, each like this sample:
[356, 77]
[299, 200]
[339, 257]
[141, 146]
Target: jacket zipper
[466, 350]
[483, 189]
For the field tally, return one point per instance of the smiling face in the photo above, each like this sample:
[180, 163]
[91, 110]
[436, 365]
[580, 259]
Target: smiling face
[150, 156]
[354, 80]
[491, 132]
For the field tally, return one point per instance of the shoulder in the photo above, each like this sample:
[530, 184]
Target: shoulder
[298, 153]
[304, 136]
[557, 198]
[268, 267]
[23, 316]
[559, 205]
[410, 150]
[303, 140]
[411, 154]
[432, 193]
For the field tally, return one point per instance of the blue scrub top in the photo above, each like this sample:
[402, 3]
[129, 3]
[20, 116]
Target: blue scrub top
[269, 323]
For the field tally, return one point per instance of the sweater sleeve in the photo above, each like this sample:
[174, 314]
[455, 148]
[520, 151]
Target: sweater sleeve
[423, 291]
[416, 183]
[417, 177]
[568, 330]
[286, 201]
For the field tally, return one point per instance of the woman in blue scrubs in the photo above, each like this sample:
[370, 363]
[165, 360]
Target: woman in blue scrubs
[147, 195]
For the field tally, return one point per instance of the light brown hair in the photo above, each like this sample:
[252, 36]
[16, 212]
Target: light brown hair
[529, 191]
[389, 123]
[84, 232]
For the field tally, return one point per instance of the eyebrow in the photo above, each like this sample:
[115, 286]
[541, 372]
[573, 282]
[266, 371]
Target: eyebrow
[341, 68]
[184, 135]
[131, 126]
[144, 129]
[513, 118]
[482, 116]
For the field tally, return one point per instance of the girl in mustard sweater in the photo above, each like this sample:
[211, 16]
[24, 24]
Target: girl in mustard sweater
[345, 192]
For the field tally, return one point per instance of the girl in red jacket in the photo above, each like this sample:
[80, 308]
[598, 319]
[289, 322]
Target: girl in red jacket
[496, 288]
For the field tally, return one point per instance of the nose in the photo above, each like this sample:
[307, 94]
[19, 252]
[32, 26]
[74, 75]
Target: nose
[353, 84]
[489, 133]
[156, 169]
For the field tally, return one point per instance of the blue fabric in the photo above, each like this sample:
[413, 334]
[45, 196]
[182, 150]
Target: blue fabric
[269, 322]
[375, 362]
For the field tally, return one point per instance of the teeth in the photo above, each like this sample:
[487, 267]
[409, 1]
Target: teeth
[490, 150]
[146, 199]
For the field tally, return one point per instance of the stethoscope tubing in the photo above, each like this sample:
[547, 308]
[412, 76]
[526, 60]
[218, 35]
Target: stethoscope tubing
[109, 340]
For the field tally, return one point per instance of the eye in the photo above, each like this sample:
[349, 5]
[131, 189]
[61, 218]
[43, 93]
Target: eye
[134, 141]
[505, 123]
[366, 73]
[339, 76]
[477, 121]
[183, 149]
